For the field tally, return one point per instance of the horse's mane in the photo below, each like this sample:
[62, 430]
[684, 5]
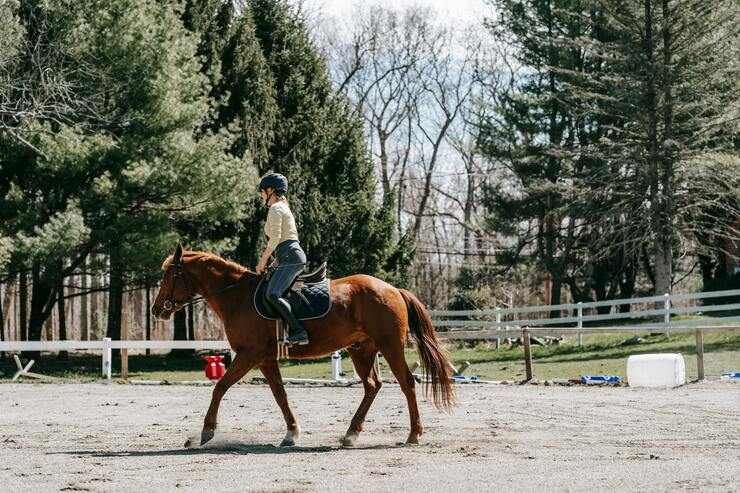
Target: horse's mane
[195, 256]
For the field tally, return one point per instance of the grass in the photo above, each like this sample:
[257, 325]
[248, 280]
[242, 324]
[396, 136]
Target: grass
[599, 354]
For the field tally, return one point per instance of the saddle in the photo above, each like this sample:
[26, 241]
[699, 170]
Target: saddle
[308, 296]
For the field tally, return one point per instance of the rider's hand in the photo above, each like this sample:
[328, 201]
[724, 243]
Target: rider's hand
[260, 268]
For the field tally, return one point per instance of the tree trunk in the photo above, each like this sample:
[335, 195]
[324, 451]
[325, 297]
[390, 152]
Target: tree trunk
[660, 222]
[84, 325]
[23, 305]
[148, 315]
[191, 323]
[115, 296]
[664, 250]
[180, 334]
[137, 322]
[94, 327]
[468, 214]
[557, 284]
[9, 303]
[2, 316]
[43, 296]
[384, 177]
[61, 315]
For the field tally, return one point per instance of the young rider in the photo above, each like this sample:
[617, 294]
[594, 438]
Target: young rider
[283, 240]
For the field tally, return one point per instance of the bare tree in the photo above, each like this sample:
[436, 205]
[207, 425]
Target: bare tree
[447, 77]
[375, 65]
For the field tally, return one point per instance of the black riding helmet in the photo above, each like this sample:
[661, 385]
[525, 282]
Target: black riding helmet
[276, 181]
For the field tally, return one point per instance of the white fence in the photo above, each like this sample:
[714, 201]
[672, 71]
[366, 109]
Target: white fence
[107, 345]
[487, 324]
[499, 322]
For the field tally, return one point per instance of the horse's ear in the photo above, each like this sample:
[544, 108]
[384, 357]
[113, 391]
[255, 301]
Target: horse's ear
[178, 253]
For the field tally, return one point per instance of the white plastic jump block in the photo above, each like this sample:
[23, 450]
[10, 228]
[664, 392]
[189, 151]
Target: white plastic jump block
[656, 370]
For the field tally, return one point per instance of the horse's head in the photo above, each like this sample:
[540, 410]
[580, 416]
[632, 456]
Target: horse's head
[176, 288]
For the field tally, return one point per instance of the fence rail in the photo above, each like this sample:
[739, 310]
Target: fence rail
[483, 328]
[495, 318]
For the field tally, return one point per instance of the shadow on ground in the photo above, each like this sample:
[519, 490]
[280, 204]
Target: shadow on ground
[222, 449]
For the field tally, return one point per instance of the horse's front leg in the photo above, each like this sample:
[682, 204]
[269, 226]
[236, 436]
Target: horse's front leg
[237, 369]
[272, 373]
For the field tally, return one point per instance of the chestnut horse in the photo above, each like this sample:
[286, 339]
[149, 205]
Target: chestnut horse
[367, 316]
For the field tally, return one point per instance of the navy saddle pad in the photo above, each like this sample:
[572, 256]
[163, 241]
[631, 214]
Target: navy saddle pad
[308, 300]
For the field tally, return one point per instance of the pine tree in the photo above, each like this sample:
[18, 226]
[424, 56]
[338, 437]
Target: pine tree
[319, 145]
[533, 133]
[672, 167]
[119, 177]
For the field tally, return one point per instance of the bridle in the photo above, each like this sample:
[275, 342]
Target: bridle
[178, 272]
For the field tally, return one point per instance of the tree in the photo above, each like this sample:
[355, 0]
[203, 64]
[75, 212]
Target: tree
[318, 143]
[529, 133]
[121, 181]
[671, 159]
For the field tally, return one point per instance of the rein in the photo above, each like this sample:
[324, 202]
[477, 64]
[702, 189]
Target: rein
[179, 272]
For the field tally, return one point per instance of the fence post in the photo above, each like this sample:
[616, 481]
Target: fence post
[107, 357]
[527, 354]
[498, 326]
[700, 353]
[667, 313]
[580, 323]
[336, 366]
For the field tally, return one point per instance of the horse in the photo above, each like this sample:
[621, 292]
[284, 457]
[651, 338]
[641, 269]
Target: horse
[367, 316]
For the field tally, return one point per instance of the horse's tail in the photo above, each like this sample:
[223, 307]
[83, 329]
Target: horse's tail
[434, 359]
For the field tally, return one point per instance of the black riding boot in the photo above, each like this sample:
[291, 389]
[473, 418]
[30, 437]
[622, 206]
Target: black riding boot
[297, 332]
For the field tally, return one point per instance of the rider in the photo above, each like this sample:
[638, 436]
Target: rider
[291, 259]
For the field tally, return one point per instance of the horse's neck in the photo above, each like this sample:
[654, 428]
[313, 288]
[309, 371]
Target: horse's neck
[220, 284]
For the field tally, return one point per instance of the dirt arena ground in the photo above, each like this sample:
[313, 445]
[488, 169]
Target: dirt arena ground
[95, 437]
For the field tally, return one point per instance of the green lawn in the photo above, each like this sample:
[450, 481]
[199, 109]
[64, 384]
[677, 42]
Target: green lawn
[599, 354]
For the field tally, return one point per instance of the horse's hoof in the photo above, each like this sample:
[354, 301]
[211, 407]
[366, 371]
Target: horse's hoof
[206, 436]
[412, 440]
[287, 442]
[348, 440]
[290, 437]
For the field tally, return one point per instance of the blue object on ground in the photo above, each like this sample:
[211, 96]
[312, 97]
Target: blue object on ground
[731, 375]
[595, 379]
[465, 378]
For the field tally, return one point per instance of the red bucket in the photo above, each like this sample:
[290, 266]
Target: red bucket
[215, 368]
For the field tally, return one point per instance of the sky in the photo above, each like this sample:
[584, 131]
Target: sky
[459, 9]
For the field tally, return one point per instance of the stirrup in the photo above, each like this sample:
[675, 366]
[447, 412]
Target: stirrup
[300, 342]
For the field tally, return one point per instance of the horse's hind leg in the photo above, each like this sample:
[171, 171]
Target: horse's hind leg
[364, 360]
[393, 353]
[271, 371]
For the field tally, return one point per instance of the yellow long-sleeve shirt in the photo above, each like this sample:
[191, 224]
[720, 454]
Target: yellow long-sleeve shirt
[280, 224]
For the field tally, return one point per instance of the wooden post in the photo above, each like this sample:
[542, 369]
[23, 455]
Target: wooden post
[700, 353]
[527, 354]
